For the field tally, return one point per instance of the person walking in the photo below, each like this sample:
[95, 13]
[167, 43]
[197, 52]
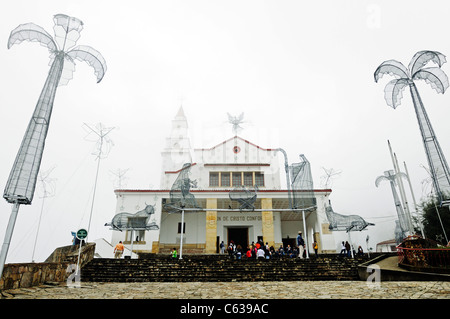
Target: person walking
[238, 252]
[260, 254]
[347, 248]
[300, 244]
[249, 253]
[360, 251]
[316, 247]
[118, 250]
[343, 251]
[174, 253]
[230, 250]
[222, 247]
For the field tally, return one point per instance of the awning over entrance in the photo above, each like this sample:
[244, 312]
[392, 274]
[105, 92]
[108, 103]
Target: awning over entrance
[281, 204]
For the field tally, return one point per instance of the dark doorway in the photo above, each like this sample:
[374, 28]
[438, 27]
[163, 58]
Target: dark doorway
[289, 241]
[239, 235]
[217, 244]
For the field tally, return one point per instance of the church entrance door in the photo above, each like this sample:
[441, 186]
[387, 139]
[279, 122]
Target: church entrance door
[239, 235]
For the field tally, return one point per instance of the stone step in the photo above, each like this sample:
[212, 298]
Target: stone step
[217, 268]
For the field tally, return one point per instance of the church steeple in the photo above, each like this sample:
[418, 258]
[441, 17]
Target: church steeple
[180, 113]
[178, 146]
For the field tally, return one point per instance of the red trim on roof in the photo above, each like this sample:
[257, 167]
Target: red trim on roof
[237, 164]
[176, 172]
[235, 137]
[387, 242]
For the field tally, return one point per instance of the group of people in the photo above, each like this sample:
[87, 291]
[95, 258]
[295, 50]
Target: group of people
[260, 250]
[346, 250]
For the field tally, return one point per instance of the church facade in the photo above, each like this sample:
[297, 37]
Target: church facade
[218, 171]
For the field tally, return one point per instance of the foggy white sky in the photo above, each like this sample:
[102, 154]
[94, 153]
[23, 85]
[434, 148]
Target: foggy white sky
[302, 72]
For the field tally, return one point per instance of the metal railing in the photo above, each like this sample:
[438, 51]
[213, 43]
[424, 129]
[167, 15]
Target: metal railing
[411, 253]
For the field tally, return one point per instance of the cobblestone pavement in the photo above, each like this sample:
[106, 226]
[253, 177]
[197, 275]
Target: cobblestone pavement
[239, 290]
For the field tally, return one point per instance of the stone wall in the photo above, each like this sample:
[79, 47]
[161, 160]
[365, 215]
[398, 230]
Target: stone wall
[54, 269]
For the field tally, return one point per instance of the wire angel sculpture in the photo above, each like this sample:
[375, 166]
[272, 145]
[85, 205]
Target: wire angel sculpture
[403, 222]
[302, 185]
[180, 195]
[235, 121]
[244, 196]
[393, 94]
[22, 180]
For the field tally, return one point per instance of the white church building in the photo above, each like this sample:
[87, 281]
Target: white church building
[217, 170]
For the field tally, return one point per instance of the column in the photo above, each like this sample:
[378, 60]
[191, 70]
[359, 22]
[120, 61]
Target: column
[211, 226]
[267, 222]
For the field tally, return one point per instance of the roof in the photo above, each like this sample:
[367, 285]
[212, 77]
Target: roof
[240, 138]
[180, 113]
[387, 242]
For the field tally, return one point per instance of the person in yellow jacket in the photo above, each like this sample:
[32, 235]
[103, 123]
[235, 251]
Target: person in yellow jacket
[118, 250]
[316, 247]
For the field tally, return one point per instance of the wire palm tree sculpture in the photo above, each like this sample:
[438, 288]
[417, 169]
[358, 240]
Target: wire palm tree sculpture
[402, 218]
[393, 94]
[21, 183]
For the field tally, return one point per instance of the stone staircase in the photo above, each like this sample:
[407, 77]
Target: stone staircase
[158, 268]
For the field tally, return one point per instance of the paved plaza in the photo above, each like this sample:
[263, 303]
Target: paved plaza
[239, 290]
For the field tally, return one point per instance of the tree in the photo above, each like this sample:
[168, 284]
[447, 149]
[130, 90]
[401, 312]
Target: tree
[436, 221]
[393, 93]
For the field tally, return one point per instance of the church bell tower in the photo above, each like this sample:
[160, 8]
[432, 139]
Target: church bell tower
[177, 150]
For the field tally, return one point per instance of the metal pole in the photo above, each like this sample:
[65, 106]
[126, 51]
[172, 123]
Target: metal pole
[400, 186]
[403, 196]
[367, 245]
[8, 236]
[79, 253]
[286, 168]
[305, 238]
[37, 232]
[93, 195]
[132, 237]
[181, 237]
[414, 199]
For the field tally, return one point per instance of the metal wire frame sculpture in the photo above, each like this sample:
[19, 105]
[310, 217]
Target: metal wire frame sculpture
[302, 186]
[399, 234]
[180, 195]
[393, 94]
[133, 222]
[236, 121]
[181, 198]
[403, 221]
[244, 196]
[137, 221]
[346, 223]
[22, 180]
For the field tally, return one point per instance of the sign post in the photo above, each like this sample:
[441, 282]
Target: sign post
[81, 235]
